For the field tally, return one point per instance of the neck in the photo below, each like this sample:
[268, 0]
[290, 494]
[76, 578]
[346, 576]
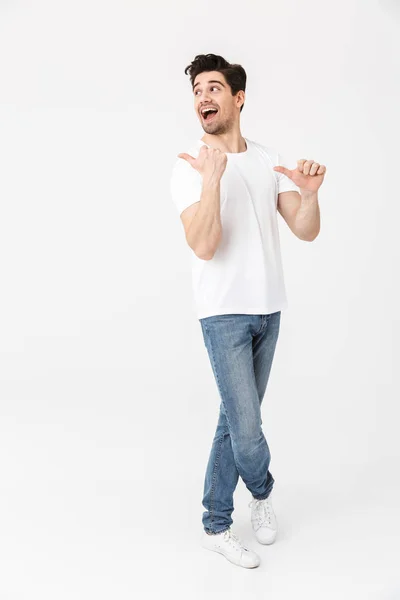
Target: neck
[228, 142]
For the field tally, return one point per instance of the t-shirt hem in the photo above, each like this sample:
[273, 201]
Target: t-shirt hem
[261, 310]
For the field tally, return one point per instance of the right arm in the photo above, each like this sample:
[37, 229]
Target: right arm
[202, 221]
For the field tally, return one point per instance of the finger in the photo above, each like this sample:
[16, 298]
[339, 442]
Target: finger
[283, 170]
[300, 164]
[314, 168]
[307, 165]
[321, 170]
[187, 157]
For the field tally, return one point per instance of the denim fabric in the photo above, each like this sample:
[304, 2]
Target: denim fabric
[241, 349]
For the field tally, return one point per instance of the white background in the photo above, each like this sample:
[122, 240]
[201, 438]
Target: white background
[108, 402]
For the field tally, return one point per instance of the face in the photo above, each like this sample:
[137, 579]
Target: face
[210, 88]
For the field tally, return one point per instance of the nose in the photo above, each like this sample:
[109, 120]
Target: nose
[204, 97]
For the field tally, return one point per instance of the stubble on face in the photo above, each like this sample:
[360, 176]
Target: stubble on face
[219, 127]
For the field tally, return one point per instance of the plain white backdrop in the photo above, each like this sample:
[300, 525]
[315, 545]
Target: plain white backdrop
[108, 402]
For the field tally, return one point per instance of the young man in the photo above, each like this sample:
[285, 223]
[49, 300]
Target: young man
[228, 190]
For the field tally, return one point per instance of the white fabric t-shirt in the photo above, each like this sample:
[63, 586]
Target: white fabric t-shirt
[245, 274]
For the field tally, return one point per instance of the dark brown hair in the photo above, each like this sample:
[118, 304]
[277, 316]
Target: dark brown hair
[234, 74]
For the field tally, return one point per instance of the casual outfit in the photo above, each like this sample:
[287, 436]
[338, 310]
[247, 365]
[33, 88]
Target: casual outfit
[239, 295]
[245, 274]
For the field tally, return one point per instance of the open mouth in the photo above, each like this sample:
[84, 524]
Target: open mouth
[209, 114]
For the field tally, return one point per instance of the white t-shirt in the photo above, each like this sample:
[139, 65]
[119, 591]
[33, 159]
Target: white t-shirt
[245, 274]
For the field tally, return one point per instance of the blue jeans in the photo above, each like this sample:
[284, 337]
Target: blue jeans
[241, 349]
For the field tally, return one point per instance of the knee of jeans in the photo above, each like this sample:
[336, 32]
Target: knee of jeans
[247, 442]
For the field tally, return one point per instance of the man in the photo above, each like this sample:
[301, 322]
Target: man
[228, 190]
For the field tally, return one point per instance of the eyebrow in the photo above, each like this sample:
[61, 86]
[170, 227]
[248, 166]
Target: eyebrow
[210, 81]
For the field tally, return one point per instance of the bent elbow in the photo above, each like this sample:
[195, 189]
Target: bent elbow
[204, 255]
[205, 252]
[307, 238]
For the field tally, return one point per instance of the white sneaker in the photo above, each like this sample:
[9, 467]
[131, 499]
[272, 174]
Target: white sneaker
[263, 520]
[228, 544]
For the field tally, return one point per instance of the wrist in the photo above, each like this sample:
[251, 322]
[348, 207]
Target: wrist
[308, 196]
[211, 182]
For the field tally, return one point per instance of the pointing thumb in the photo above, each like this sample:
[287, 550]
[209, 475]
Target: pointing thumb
[283, 170]
[186, 157]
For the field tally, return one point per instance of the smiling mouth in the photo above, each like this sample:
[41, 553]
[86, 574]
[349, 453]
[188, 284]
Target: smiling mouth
[209, 115]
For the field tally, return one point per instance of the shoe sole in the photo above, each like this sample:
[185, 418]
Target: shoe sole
[268, 543]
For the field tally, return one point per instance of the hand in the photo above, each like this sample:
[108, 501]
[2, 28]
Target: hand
[308, 175]
[210, 162]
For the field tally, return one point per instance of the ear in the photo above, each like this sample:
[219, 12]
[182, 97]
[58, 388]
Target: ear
[241, 96]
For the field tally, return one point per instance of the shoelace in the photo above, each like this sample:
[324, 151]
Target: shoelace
[231, 537]
[262, 510]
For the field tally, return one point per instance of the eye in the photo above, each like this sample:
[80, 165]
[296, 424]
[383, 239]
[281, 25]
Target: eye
[214, 87]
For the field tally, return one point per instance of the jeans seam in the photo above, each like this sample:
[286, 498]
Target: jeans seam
[264, 322]
[218, 454]
[261, 327]
[216, 463]
[216, 377]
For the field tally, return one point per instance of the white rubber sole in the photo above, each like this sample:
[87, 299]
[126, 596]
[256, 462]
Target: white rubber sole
[236, 560]
[265, 542]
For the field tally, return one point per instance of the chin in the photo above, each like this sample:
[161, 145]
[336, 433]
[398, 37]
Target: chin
[209, 129]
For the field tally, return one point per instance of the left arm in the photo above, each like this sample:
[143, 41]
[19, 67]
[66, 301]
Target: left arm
[301, 211]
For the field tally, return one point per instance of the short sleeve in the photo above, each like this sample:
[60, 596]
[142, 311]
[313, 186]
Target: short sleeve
[285, 184]
[186, 185]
